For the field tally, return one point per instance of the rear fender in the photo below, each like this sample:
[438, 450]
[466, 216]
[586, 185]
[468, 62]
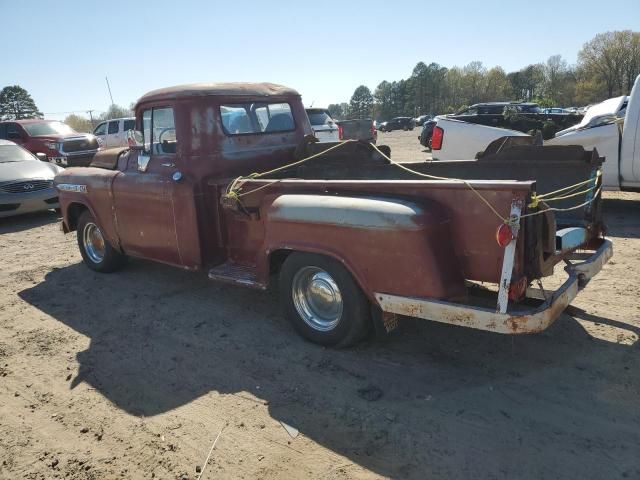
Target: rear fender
[388, 244]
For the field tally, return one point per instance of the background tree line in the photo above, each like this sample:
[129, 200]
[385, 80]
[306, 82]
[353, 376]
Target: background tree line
[16, 104]
[607, 66]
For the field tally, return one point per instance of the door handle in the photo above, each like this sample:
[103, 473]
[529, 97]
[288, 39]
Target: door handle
[170, 165]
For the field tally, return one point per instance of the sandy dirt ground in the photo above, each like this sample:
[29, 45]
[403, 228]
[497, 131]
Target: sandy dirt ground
[136, 374]
[405, 146]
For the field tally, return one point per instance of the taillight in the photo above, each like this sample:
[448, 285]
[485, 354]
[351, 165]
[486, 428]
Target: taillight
[436, 138]
[504, 235]
[340, 132]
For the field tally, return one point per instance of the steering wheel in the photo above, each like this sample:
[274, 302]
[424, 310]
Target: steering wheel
[165, 130]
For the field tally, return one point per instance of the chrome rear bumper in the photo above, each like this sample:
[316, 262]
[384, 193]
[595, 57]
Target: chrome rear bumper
[517, 321]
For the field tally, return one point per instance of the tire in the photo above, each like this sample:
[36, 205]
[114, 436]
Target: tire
[96, 252]
[325, 323]
[405, 128]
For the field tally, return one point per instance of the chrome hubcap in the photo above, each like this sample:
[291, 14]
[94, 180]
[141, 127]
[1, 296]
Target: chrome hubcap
[317, 298]
[93, 242]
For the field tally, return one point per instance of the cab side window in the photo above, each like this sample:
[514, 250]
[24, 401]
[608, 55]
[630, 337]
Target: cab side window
[13, 132]
[101, 129]
[159, 131]
[114, 126]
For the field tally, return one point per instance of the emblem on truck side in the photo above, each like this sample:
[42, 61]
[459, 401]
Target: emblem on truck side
[71, 187]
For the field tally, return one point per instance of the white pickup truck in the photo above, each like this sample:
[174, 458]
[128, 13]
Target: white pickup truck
[612, 127]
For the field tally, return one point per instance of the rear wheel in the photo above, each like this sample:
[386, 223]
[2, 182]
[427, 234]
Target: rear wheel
[96, 251]
[322, 300]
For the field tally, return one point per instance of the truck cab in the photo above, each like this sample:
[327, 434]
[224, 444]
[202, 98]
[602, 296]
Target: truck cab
[113, 133]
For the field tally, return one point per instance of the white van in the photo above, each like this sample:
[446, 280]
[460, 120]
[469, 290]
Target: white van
[113, 133]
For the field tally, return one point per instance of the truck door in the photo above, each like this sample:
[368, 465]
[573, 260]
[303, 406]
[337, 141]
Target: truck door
[100, 132]
[143, 193]
[15, 134]
[113, 134]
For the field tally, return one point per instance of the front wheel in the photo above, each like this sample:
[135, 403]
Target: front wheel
[96, 251]
[322, 300]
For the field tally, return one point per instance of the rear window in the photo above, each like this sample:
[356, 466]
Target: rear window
[318, 117]
[253, 118]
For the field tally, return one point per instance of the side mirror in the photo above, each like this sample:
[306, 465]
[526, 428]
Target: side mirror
[42, 157]
[143, 161]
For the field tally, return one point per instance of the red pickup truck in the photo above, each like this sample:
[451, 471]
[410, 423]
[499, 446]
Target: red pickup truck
[56, 141]
[354, 238]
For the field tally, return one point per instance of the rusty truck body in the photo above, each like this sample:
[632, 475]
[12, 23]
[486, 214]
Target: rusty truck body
[354, 238]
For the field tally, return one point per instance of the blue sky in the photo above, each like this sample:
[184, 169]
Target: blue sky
[62, 51]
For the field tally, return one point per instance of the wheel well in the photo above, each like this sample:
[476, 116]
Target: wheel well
[74, 211]
[276, 259]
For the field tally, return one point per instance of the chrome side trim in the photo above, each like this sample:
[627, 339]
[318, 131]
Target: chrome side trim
[71, 187]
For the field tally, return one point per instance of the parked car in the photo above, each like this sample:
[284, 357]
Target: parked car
[357, 129]
[557, 110]
[26, 182]
[426, 133]
[398, 123]
[353, 247]
[60, 143]
[113, 133]
[498, 108]
[324, 127]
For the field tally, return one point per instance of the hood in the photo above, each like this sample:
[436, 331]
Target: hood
[27, 170]
[57, 137]
[602, 110]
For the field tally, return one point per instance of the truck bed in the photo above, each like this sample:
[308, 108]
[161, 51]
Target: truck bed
[500, 175]
[511, 158]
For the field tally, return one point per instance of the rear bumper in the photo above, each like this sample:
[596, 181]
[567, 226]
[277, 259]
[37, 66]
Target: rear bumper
[518, 321]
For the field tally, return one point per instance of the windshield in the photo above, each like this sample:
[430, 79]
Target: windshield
[318, 117]
[48, 128]
[14, 153]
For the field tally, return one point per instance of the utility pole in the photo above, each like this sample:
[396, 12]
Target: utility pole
[109, 87]
[90, 112]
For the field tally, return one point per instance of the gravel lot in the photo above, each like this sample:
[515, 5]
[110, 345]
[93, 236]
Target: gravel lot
[135, 375]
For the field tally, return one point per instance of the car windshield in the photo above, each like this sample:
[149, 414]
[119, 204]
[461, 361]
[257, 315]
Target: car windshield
[318, 117]
[14, 153]
[48, 128]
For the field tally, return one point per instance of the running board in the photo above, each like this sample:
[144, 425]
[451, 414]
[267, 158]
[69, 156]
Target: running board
[234, 274]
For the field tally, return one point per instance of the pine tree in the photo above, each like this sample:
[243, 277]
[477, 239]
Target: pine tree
[16, 103]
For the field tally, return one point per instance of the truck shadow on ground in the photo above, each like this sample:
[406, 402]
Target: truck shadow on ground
[430, 401]
[617, 212]
[28, 221]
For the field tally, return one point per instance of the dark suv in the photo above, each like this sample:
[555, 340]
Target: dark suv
[498, 108]
[60, 143]
[398, 123]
